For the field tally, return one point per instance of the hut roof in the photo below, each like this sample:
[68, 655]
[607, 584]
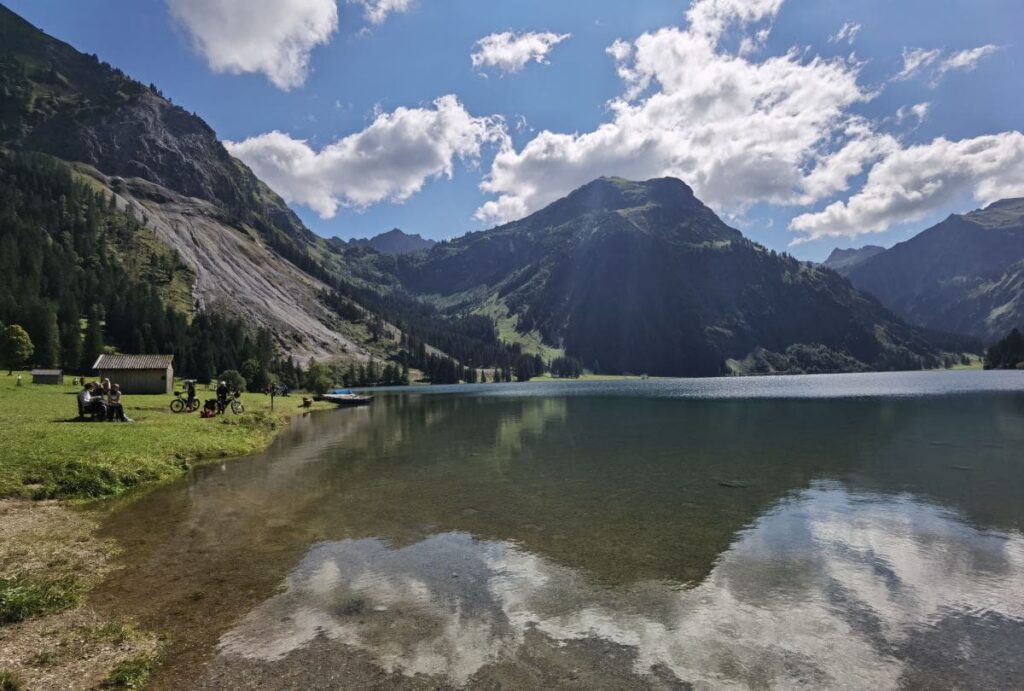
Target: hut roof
[120, 361]
[45, 372]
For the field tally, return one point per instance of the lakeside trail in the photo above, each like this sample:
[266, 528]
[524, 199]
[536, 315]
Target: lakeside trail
[52, 469]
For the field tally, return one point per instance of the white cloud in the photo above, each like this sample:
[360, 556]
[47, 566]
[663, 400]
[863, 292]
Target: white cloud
[967, 60]
[847, 32]
[830, 588]
[510, 52]
[390, 160]
[938, 63]
[739, 131]
[376, 11]
[274, 37]
[908, 184]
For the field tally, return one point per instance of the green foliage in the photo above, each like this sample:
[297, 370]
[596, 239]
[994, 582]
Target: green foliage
[1006, 353]
[234, 379]
[15, 347]
[9, 681]
[23, 598]
[93, 346]
[566, 368]
[133, 673]
[319, 378]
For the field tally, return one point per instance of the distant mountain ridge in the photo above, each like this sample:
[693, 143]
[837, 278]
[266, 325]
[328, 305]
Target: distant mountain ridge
[394, 241]
[962, 275]
[842, 260]
[643, 277]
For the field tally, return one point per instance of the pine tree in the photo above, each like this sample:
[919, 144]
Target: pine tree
[93, 346]
[46, 337]
[70, 335]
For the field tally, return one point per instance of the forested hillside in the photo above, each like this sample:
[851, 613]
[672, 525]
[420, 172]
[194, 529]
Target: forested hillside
[79, 275]
[964, 275]
[643, 277]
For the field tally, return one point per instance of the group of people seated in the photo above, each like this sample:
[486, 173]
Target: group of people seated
[102, 399]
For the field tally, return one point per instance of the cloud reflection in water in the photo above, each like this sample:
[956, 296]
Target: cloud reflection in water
[829, 588]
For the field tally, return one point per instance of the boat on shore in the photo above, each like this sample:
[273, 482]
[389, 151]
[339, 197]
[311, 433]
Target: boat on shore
[345, 397]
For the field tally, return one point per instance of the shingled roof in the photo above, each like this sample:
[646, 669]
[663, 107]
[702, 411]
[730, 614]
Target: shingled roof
[120, 361]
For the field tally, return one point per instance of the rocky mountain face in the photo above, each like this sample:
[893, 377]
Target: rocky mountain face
[963, 275]
[843, 260]
[643, 277]
[393, 242]
[251, 254]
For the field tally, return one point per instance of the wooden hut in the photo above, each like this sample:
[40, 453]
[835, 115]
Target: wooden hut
[47, 376]
[138, 374]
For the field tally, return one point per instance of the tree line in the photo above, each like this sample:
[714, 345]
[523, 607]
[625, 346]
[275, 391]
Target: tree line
[1007, 352]
[65, 280]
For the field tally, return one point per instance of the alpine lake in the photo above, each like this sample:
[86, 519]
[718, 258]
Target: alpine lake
[838, 531]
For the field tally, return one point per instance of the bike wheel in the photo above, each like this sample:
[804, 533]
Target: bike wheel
[177, 405]
[194, 406]
[237, 408]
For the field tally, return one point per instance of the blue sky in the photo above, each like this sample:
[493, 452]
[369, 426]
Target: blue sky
[363, 144]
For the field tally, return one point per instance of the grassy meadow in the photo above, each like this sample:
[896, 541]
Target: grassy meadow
[48, 453]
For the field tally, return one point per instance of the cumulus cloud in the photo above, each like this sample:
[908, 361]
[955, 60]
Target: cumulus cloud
[847, 32]
[739, 131]
[936, 62]
[273, 37]
[376, 11]
[909, 183]
[390, 160]
[510, 52]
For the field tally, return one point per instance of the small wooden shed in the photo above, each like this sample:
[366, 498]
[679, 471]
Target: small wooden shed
[137, 374]
[47, 376]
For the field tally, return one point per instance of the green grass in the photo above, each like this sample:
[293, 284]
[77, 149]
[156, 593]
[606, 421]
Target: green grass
[49, 454]
[133, 673]
[9, 681]
[531, 343]
[23, 597]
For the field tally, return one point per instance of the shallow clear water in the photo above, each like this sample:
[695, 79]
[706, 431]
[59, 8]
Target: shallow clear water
[834, 531]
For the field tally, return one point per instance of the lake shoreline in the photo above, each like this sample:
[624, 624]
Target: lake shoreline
[51, 511]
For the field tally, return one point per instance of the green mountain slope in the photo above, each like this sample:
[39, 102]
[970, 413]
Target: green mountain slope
[643, 277]
[963, 275]
[249, 255]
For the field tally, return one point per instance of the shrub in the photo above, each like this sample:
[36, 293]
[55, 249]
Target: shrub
[235, 380]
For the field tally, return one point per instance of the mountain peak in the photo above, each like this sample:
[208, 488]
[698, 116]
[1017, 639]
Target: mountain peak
[615, 193]
[394, 241]
[842, 260]
[1005, 213]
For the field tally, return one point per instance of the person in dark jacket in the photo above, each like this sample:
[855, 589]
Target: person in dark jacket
[222, 395]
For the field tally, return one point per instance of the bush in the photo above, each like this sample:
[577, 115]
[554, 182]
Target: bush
[235, 380]
[319, 378]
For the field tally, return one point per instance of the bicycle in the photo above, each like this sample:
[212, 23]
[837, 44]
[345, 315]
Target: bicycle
[235, 404]
[181, 404]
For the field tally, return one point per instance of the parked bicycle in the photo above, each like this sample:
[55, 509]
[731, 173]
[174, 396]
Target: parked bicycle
[181, 404]
[235, 403]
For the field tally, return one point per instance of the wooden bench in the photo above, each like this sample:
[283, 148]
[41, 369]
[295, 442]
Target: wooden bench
[95, 414]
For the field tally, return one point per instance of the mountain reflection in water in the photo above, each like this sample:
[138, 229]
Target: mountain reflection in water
[607, 540]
